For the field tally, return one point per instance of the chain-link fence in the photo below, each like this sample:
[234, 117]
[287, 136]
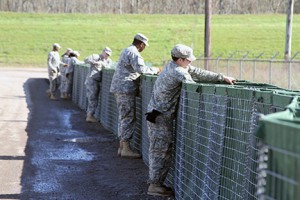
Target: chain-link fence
[281, 73]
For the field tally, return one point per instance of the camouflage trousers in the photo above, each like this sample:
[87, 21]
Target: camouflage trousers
[69, 83]
[126, 108]
[54, 81]
[160, 150]
[92, 94]
[63, 83]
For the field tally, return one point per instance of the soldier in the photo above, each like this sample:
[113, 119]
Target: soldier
[74, 55]
[54, 62]
[63, 79]
[92, 82]
[161, 112]
[125, 86]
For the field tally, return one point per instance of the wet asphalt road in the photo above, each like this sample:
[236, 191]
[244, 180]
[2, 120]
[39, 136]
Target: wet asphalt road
[48, 151]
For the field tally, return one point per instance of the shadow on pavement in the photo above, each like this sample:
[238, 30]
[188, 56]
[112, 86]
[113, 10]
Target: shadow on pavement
[67, 158]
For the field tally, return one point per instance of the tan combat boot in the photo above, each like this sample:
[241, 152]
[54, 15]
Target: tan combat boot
[48, 93]
[90, 118]
[160, 190]
[63, 95]
[52, 97]
[126, 152]
[120, 148]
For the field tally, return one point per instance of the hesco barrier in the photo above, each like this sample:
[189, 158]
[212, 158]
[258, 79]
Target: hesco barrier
[222, 149]
[280, 136]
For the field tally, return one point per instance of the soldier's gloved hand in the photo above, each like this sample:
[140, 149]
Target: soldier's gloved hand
[151, 117]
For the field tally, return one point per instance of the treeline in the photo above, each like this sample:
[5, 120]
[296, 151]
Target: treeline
[147, 6]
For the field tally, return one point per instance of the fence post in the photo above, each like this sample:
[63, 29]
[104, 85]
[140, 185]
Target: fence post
[218, 58]
[241, 64]
[254, 66]
[290, 70]
[230, 57]
[270, 67]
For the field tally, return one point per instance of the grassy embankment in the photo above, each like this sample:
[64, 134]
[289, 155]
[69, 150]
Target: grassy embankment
[25, 39]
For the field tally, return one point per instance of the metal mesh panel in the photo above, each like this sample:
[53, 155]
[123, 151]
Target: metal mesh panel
[147, 87]
[79, 92]
[280, 134]
[136, 140]
[82, 94]
[235, 143]
[76, 86]
[109, 111]
[216, 154]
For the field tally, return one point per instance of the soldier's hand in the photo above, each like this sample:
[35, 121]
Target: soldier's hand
[229, 80]
[156, 70]
[151, 117]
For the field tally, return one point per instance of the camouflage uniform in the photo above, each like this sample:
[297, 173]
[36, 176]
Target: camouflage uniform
[69, 73]
[63, 78]
[53, 70]
[125, 85]
[93, 79]
[165, 96]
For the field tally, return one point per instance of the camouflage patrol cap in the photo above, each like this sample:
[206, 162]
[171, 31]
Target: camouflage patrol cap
[76, 53]
[142, 38]
[56, 45]
[183, 51]
[108, 51]
[69, 50]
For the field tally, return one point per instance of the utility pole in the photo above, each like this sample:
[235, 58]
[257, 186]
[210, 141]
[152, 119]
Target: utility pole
[207, 39]
[120, 6]
[289, 23]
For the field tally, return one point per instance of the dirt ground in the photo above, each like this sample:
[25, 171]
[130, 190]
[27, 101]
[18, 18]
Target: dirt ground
[48, 151]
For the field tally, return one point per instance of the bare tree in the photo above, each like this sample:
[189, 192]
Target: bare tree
[147, 7]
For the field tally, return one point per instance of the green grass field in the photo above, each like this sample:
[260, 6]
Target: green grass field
[26, 39]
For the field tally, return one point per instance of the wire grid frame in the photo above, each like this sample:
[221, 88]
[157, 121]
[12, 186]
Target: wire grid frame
[216, 155]
[198, 146]
[82, 94]
[239, 122]
[78, 89]
[99, 107]
[280, 137]
[108, 108]
[282, 171]
[136, 141]
[76, 84]
[147, 87]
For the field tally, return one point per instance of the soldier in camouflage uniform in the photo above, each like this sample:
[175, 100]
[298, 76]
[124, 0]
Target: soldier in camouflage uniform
[161, 112]
[74, 55]
[54, 62]
[92, 82]
[63, 79]
[125, 85]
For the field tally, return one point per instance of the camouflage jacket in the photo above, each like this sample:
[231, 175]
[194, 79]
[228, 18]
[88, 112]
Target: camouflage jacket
[96, 66]
[167, 87]
[53, 61]
[129, 68]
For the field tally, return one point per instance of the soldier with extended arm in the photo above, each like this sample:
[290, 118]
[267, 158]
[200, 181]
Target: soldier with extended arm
[162, 110]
